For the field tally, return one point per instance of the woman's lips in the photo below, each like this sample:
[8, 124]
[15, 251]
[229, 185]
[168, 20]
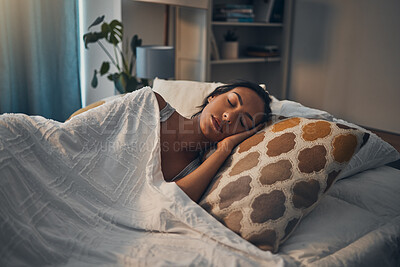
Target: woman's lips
[216, 124]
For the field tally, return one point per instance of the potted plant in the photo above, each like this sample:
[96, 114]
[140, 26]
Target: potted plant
[124, 80]
[230, 46]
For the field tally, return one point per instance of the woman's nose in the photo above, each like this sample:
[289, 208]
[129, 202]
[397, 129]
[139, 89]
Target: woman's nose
[228, 117]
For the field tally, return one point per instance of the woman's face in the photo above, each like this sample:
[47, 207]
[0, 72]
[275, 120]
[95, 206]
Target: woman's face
[233, 112]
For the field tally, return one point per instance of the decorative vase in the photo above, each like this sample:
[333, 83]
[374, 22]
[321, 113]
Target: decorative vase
[230, 50]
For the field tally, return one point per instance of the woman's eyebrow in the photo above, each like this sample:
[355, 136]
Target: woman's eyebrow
[246, 113]
[240, 98]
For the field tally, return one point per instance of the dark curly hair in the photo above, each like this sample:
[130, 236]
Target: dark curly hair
[263, 94]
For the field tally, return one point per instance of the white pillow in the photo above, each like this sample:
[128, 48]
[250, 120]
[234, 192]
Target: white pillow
[289, 108]
[184, 96]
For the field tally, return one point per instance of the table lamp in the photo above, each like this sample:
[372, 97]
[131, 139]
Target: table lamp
[155, 61]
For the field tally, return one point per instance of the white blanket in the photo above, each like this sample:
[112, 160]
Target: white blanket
[90, 192]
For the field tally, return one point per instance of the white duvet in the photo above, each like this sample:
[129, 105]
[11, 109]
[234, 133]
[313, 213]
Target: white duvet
[90, 192]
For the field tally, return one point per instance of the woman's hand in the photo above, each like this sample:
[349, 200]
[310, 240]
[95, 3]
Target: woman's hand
[195, 183]
[230, 142]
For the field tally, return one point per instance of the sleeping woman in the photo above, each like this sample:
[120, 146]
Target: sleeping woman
[229, 115]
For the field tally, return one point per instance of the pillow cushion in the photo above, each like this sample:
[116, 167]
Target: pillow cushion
[184, 96]
[289, 108]
[375, 153]
[275, 177]
[94, 105]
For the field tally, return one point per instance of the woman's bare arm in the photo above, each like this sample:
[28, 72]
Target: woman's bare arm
[195, 183]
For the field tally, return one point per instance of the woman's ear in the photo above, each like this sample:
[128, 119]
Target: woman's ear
[210, 98]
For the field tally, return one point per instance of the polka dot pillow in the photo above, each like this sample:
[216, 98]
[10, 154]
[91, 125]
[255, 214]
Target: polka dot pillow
[277, 176]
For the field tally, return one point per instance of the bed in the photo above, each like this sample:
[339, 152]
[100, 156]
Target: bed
[88, 208]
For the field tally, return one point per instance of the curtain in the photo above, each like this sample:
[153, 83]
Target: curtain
[39, 57]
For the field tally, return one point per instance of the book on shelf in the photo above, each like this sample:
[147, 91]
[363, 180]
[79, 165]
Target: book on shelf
[233, 13]
[235, 10]
[262, 51]
[239, 20]
[276, 15]
[269, 11]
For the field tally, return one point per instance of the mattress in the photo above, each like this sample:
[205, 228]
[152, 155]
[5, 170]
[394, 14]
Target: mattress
[356, 224]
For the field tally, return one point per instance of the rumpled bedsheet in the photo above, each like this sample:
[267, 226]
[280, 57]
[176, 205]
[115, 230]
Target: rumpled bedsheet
[90, 192]
[356, 224]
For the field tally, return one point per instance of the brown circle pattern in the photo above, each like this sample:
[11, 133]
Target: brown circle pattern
[286, 124]
[275, 177]
[312, 159]
[344, 147]
[235, 191]
[246, 163]
[305, 193]
[264, 240]
[250, 142]
[277, 171]
[281, 144]
[232, 221]
[315, 130]
[268, 206]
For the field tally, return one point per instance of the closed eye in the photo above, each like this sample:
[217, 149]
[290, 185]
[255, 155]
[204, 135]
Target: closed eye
[241, 123]
[240, 120]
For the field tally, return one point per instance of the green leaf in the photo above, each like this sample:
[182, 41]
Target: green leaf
[113, 31]
[105, 67]
[117, 27]
[97, 21]
[105, 28]
[92, 37]
[94, 82]
[113, 77]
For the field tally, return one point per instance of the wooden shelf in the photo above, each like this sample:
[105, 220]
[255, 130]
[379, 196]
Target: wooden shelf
[246, 24]
[245, 60]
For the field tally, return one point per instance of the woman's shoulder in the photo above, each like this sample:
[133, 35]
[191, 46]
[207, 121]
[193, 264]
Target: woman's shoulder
[166, 111]
[160, 100]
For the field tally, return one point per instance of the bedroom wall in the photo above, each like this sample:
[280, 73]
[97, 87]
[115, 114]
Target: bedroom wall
[144, 19]
[93, 57]
[346, 60]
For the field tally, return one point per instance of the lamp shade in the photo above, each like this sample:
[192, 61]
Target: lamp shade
[155, 61]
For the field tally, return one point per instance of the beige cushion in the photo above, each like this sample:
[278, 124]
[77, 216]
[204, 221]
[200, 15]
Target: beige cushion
[184, 96]
[88, 107]
[278, 175]
[94, 105]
